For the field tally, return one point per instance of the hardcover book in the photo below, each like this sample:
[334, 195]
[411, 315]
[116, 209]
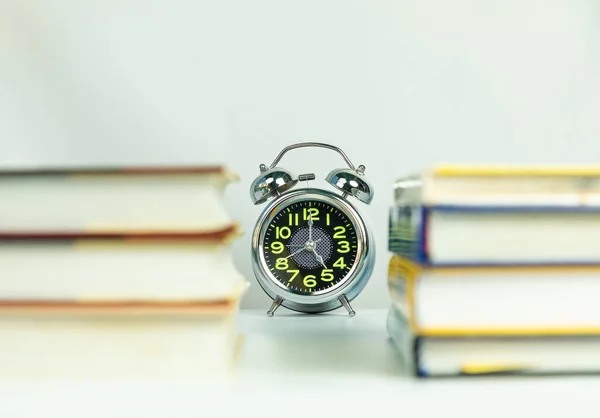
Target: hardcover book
[118, 273]
[112, 200]
[483, 217]
[501, 300]
[426, 356]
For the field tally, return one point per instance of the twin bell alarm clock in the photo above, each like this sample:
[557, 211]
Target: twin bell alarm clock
[312, 251]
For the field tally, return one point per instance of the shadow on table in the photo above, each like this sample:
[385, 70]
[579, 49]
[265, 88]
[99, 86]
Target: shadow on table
[335, 343]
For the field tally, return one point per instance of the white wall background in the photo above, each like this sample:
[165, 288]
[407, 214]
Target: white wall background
[398, 84]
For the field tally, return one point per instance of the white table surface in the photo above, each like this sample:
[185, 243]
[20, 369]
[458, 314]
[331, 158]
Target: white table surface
[300, 365]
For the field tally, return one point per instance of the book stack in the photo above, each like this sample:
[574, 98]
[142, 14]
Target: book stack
[496, 269]
[116, 273]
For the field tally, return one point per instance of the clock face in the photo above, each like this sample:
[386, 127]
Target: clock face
[310, 246]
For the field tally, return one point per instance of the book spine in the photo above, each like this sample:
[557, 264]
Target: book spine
[419, 370]
[406, 343]
[407, 232]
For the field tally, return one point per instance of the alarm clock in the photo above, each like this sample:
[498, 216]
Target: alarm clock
[312, 251]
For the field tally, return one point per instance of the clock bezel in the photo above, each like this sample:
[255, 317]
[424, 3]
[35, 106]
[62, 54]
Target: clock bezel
[326, 299]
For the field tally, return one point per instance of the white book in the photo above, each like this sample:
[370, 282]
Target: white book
[502, 300]
[142, 199]
[517, 236]
[88, 268]
[497, 215]
[136, 341]
[506, 184]
[429, 356]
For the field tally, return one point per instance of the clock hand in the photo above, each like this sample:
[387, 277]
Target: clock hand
[318, 257]
[296, 252]
[320, 260]
[301, 249]
[310, 224]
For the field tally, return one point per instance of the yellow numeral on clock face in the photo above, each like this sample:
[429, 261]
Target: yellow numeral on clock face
[277, 247]
[326, 275]
[311, 212]
[282, 232]
[281, 264]
[340, 232]
[339, 263]
[309, 280]
[294, 274]
[344, 247]
[293, 219]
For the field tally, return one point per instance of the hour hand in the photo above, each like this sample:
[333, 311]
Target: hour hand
[320, 260]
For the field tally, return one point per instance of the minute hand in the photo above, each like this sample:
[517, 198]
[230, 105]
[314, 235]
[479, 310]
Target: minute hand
[296, 252]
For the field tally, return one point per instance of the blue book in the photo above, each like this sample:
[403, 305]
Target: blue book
[492, 229]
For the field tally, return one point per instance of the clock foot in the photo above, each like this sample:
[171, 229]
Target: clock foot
[344, 301]
[274, 306]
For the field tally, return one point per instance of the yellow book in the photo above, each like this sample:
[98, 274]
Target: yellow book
[515, 170]
[433, 356]
[496, 301]
[505, 184]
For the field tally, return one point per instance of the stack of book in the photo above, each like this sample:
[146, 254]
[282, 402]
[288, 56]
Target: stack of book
[117, 273]
[496, 269]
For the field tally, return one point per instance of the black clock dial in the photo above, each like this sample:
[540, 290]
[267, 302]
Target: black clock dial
[310, 246]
